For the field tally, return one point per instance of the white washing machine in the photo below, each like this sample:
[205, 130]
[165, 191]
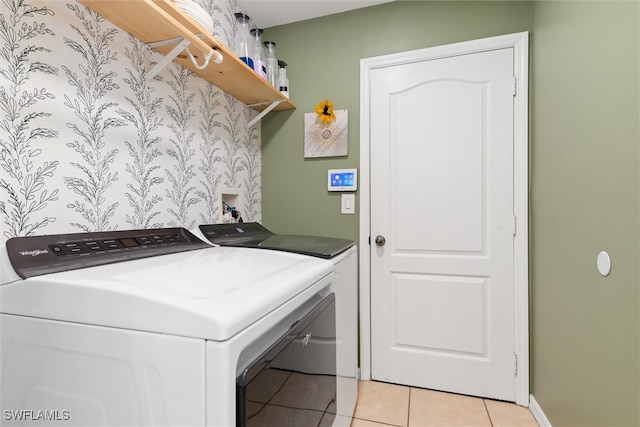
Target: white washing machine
[343, 255]
[146, 327]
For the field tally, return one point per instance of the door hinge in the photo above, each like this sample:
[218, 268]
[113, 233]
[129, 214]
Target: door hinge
[515, 84]
[515, 365]
[515, 225]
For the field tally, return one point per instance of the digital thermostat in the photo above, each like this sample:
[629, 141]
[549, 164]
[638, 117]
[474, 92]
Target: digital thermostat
[342, 180]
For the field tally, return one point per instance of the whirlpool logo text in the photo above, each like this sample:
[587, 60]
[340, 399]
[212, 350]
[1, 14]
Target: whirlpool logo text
[34, 252]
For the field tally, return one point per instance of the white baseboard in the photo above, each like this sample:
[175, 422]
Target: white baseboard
[537, 413]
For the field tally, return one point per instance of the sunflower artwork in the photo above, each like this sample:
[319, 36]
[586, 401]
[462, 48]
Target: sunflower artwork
[325, 132]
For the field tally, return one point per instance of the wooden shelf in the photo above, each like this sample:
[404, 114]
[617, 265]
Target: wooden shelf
[153, 21]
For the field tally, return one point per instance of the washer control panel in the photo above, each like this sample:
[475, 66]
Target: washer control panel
[249, 234]
[38, 255]
[82, 247]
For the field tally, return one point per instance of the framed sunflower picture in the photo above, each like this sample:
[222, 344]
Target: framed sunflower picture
[325, 132]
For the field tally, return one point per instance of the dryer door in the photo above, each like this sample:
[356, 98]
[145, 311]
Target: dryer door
[294, 381]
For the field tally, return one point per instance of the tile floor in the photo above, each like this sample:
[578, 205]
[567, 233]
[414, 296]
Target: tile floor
[382, 404]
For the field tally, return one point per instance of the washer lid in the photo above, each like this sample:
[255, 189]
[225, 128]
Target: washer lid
[255, 235]
[211, 293]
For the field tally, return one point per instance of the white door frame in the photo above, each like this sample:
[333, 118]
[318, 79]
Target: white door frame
[520, 43]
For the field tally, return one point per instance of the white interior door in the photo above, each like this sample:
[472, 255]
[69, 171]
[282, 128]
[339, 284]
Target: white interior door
[442, 196]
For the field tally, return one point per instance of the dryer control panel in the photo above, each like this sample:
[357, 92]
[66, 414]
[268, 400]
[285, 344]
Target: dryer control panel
[38, 255]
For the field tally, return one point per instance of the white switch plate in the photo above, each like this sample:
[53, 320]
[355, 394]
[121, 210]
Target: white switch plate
[348, 204]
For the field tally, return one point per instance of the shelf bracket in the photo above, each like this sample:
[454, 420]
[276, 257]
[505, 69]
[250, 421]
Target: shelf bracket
[264, 112]
[181, 44]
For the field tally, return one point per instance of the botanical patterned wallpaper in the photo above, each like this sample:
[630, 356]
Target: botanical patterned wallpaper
[88, 144]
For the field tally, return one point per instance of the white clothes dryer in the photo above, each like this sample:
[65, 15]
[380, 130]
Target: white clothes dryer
[343, 255]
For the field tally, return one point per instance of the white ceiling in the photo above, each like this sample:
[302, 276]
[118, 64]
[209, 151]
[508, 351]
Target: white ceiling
[269, 13]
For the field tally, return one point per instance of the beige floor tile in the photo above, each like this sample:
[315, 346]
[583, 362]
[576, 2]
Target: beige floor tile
[505, 414]
[382, 403]
[432, 408]
[366, 423]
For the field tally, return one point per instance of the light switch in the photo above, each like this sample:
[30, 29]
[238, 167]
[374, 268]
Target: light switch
[348, 204]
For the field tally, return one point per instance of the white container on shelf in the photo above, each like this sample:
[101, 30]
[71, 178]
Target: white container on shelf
[257, 53]
[242, 48]
[271, 62]
[283, 82]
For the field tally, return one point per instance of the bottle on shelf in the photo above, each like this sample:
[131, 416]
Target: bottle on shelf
[242, 48]
[271, 63]
[258, 53]
[283, 82]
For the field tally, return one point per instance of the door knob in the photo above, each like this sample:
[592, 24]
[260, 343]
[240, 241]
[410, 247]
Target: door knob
[380, 240]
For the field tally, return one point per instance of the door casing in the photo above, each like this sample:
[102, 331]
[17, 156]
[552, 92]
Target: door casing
[520, 43]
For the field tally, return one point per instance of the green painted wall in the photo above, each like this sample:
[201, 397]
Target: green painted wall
[324, 62]
[584, 172]
[584, 199]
